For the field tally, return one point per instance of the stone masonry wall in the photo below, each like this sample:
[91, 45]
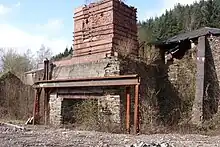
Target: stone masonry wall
[185, 69]
[100, 29]
[181, 80]
[110, 109]
[111, 99]
[55, 105]
[214, 44]
[85, 70]
[212, 77]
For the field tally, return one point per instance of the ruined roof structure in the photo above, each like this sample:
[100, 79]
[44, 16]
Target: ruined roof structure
[7, 75]
[184, 39]
[103, 28]
[194, 34]
[195, 55]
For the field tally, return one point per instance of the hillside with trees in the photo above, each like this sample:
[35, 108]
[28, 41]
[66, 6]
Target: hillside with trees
[67, 52]
[181, 19]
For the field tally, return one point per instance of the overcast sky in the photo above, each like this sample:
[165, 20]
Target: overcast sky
[30, 23]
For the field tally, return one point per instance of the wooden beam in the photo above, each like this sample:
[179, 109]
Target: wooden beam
[136, 109]
[128, 104]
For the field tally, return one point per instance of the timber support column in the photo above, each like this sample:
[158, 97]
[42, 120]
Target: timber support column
[197, 110]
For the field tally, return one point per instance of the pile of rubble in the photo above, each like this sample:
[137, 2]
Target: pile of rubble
[7, 127]
[142, 144]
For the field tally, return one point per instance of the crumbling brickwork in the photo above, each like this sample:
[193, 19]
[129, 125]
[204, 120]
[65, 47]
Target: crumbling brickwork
[104, 27]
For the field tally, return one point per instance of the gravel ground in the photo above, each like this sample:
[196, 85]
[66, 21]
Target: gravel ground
[33, 136]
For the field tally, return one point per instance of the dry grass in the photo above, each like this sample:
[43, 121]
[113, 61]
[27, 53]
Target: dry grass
[87, 116]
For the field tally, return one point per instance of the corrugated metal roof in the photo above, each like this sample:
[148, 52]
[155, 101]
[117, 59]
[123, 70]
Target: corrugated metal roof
[193, 34]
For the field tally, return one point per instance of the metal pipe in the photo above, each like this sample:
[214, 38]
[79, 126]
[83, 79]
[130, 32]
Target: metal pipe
[90, 79]
[46, 92]
[46, 106]
[136, 109]
[128, 97]
[36, 111]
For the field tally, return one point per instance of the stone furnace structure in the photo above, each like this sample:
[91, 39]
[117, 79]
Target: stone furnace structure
[102, 31]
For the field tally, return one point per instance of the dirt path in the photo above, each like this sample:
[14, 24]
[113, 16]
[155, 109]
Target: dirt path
[41, 136]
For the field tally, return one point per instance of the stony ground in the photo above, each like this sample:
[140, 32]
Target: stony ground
[32, 136]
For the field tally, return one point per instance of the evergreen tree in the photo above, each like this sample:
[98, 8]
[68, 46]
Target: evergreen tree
[66, 52]
[71, 51]
[181, 19]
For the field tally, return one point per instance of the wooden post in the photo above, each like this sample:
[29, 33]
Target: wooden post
[36, 111]
[136, 110]
[128, 98]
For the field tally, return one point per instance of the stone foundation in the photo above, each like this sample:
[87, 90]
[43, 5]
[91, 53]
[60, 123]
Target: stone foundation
[55, 104]
[109, 108]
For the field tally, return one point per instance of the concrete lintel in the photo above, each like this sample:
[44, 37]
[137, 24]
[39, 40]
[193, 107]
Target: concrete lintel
[197, 111]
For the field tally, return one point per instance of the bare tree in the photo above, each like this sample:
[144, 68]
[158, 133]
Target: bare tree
[43, 53]
[14, 62]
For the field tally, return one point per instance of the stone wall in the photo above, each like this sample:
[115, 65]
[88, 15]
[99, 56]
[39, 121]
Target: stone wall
[99, 68]
[33, 76]
[100, 30]
[105, 67]
[214, 44]
[181, 77]
[174, 82]
[212, 77]
[55, 105]
[110, 109]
